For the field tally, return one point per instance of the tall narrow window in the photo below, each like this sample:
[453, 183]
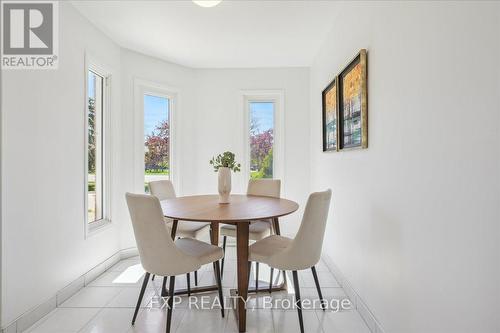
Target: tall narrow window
[261, 138]
[156, 138]
[95, 147]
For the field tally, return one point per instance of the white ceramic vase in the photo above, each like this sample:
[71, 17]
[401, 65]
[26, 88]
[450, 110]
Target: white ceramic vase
[224, 185]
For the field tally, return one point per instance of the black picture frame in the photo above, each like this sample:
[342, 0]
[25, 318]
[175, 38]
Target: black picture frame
[353, 122]
[330, 129]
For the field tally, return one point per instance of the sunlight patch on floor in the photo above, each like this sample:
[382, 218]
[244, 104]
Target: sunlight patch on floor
[131, 275]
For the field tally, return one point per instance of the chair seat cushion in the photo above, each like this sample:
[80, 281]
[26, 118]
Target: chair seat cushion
[188, 228]
[264, 249]
[257, 230]
[204, 252]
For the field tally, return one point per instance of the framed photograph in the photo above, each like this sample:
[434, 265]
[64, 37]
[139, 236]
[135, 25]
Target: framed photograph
[353, 104]
[330, 116]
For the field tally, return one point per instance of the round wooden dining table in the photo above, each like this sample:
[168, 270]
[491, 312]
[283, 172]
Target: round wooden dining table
[240, 211]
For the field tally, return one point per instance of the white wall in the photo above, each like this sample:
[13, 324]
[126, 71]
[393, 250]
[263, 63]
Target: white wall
[209, 120]
[43, 245]
[414, 223]
[220, 120]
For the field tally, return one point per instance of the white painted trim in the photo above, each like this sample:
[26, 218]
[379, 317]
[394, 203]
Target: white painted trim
[94, 64]
[128, 253]
[278, 97]
[364, 311]
[142, 87]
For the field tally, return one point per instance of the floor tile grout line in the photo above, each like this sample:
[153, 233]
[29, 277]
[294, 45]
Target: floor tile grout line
[319, 322]
[226, 315]
[90, 320]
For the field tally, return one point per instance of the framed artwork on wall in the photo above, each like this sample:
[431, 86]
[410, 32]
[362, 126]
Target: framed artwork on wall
[330, 116]
[353, 104]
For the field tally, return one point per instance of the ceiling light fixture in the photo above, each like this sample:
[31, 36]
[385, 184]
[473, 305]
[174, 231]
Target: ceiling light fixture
[207, 3]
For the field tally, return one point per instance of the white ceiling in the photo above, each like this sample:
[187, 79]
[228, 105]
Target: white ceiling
[232, 34]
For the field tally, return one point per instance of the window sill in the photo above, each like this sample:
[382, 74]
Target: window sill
[96, 227]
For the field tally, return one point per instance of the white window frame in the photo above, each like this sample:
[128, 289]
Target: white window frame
[94, 65]
[144, 87]
[276, 97]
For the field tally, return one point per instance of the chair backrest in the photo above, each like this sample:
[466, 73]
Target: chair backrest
[305, 250]
[162, 189]
[264, 187]
[157, 250]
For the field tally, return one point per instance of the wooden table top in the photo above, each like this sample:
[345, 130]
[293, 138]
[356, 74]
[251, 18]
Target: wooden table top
[206, 208]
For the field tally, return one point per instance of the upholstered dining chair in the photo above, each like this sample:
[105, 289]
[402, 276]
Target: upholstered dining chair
[302, 252]
[257, 229]
[163, 256]
[164, 190]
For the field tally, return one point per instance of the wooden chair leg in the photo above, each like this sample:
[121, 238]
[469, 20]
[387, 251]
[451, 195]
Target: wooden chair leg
[224, 239]
[271, 281]
[316, 281]
[141, 295]
[153, 277]
[188, 280]
[256, 276]
[297, 299]
[170, 303]
[196, 278]
[219, 285]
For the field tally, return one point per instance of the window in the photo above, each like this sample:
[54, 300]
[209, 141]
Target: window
[155, 106]
[95, 147]
[156, 138]
[96, 140]
[263, 128]
[261, 139]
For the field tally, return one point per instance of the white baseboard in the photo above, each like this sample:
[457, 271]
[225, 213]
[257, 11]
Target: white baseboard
[358, 303]
[128, 252]
[31, 316]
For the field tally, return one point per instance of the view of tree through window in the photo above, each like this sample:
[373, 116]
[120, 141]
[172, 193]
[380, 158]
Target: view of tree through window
[95, 147]
[156, 138]
[261, 139]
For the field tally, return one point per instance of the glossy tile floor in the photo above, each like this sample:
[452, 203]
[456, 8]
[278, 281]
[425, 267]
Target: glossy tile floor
[107, 304]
